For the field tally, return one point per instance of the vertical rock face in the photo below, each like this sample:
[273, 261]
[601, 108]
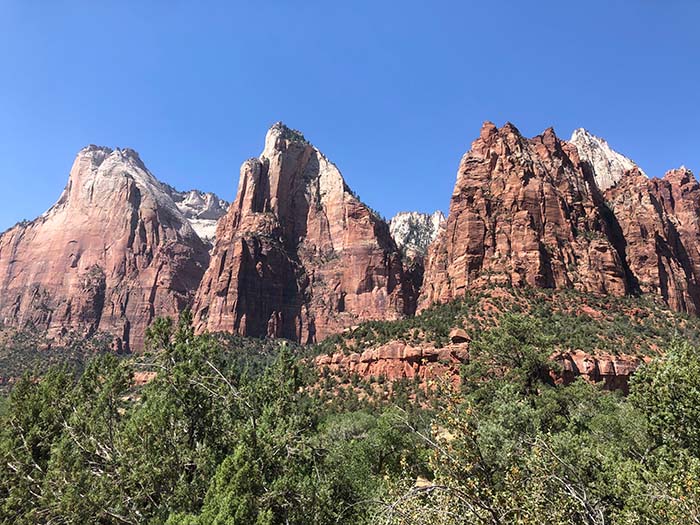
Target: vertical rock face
[202, 210]
[298, 255]
[413, 232]
[109, 256]
[546, 213]
[659, 223]
[523, 213]
[608, 166]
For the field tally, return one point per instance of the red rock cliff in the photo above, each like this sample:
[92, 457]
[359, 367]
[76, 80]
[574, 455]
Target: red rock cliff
[658, 219]
[529, 212]
[397, 360]
[109, 256]
[298, 255]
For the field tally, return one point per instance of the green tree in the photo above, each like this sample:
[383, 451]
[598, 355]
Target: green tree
[235, 495]
[33, 421]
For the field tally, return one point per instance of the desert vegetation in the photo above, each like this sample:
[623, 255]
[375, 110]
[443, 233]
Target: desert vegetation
[242, 431]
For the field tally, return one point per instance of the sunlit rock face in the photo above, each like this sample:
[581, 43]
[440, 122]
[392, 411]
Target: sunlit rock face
[608, 165]
[535, 212]
[298, 255]
[201, 209]
[659, 224]
[413, 231]
[113, 253]
[427, 364]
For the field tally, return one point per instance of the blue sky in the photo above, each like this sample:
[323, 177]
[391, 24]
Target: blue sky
[392, 92]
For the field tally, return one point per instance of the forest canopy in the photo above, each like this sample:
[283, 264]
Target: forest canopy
[238, 432]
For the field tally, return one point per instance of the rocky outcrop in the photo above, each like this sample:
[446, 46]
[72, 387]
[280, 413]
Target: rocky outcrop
[614, 371]
[113, 253]
[298, 255]
[608, 166]
[201, 209]
[413, 231]
[659, 225]
[523, 213]
[398, 360]
[533, 212]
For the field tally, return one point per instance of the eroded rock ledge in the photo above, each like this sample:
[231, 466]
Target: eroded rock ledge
[398, 360]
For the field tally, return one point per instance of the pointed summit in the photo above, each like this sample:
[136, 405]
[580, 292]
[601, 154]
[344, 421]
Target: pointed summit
[279, 136]
[517, 215]
[488, 128]
[608, 165]
[280, 129]
[113, 253]
[413, 231]
[298, 255]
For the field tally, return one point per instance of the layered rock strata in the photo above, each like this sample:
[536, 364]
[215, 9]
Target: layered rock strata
[397, 360]
[535, 212]
[112, 253]
[298, 255]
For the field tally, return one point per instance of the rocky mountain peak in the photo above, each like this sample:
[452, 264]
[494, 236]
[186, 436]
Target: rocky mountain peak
[298, 255]
[98, 172]
[507, 137]
[101, 177]
[526, 212]
[288, 177]
[281, 130]
[518, 214]
[488, 129]
[111, 254]
[201, 209]
[414, 231]
[94, 148]
[280, 137]
[608, 166]
[680, 175]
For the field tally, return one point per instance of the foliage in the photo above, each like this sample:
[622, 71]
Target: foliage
[553, 454]
[212, 438]
[236, 431]
[28, 351]
[571, 319]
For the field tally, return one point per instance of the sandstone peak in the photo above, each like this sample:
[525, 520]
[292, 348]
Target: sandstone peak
[280, 134]
[201, 209]
[681, 174]
[297, 254]
[510, 128]
[549, 137]
[112, 253]
[545, 213]
[607, 165]
[518, 214]
[280, 129]
[490, 134]
[101, 176]
[414, 231]
[488, 128]
[90, 148]
[101, 153]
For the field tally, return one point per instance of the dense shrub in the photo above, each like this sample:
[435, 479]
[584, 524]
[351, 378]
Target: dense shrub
[240, 431]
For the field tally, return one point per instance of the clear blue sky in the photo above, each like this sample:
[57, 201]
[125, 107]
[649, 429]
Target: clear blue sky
[392, 92]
